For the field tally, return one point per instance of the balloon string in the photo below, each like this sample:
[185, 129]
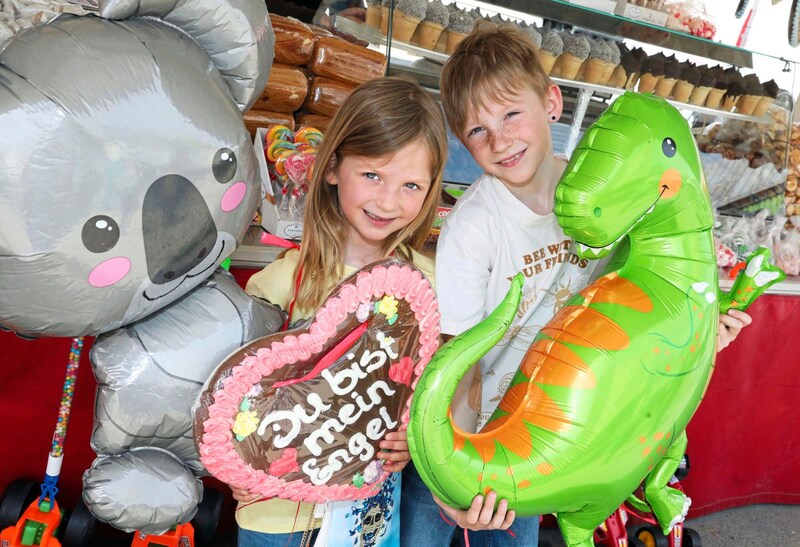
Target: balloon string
[67, 393]
[466, 535]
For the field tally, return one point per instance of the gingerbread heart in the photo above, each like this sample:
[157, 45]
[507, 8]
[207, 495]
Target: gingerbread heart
[299, 414]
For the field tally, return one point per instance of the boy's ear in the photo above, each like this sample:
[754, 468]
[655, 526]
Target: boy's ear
[554, 104]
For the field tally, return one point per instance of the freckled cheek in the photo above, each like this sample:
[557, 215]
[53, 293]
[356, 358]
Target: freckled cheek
[477, 147]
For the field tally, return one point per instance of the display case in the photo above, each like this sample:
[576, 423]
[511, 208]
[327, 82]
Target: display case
[744, 148]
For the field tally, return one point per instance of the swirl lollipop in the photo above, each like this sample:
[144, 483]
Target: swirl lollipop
[308, 135]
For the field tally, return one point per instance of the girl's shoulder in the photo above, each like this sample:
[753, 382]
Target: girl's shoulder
[275, 283]
[424, 262]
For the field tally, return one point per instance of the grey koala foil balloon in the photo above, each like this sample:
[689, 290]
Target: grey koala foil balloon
[146, 476]
[126, 172]
[126, 177]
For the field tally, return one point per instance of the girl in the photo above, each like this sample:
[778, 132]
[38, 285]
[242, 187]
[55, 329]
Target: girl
[374, 193]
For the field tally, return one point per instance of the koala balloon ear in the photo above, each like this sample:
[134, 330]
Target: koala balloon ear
[236, 34]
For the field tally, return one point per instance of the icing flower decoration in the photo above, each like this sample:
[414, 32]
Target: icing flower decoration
[287, 463]
[358, 480]
[388, 307]
[401, 371]
[244, 424]
[373, 471]
[362, 313]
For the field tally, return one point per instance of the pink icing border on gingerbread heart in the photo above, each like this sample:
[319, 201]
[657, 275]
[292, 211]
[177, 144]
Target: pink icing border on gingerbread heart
[216, 446]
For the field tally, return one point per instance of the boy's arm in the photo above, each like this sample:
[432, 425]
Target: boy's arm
[463, 265]
[730, 325]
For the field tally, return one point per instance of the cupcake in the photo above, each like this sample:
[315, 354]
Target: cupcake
[627, 72]
[672, 71]
[753, 91]
[374, 16]
[597, 63]
[770, 94]
[703, 87]
[687, 80]
[534, 33]
[552, 47]
[576, 50]
[652, 72]
[407, 16]
[734, 91]
[719, 88]
[616, 57]
[430, 29]
[459, 26]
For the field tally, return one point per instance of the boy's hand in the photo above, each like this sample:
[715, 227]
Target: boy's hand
[394, 451]
[481, 514]
[244, 496]
[730, 325]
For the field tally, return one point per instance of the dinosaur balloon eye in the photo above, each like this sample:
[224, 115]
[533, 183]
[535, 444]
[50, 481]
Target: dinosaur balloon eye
[668, 147]
[224, 165]
[100, 233]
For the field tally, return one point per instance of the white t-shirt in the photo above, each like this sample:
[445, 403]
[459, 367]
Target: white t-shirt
[487, 238]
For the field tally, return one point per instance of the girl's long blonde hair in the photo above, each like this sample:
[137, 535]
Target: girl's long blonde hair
[379, 118]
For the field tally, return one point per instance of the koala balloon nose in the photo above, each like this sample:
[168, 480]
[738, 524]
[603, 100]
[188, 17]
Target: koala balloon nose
[178, 228]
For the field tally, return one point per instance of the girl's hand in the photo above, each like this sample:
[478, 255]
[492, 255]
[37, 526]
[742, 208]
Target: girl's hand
[730, 325]
[244, 496]
[481, 514]
[394, 451]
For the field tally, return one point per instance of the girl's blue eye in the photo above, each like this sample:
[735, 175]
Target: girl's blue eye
[474, 131]
[371, 176]
[413, 186]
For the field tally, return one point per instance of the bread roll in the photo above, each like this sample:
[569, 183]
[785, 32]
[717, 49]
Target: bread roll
[294, 40]
[313, 120]
[286, 90]
[326, 96]
[253, 119]
[338, 59]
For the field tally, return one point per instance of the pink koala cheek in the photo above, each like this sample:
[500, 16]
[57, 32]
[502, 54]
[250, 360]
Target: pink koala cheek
[109, 272]
[233, 196]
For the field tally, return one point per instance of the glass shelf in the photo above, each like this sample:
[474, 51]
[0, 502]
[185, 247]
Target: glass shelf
[609, 23]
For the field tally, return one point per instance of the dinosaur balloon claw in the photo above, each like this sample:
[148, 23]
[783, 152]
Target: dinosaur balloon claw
[755, 278]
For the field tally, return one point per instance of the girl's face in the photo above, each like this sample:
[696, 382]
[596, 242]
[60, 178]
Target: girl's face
[381, 195]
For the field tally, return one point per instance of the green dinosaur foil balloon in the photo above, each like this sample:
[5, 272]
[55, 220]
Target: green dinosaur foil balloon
[602, 397]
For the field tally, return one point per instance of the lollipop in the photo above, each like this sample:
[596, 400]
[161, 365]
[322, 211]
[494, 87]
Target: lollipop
[308, 135]
[275, 148]
[280, 133]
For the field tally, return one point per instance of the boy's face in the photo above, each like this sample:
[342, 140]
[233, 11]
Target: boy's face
[510, 137]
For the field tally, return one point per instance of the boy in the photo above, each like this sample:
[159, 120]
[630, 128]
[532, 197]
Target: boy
[499, 102]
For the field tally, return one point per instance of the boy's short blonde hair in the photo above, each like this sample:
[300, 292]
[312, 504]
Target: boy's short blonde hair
[491, 64]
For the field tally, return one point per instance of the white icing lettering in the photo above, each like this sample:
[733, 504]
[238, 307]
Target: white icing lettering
[295, 417]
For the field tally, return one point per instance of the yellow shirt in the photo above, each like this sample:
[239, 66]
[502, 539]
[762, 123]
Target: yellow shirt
[276, 284]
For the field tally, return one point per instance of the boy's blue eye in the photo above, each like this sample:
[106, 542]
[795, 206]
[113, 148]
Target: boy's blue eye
[474, 131]
[371, 176]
